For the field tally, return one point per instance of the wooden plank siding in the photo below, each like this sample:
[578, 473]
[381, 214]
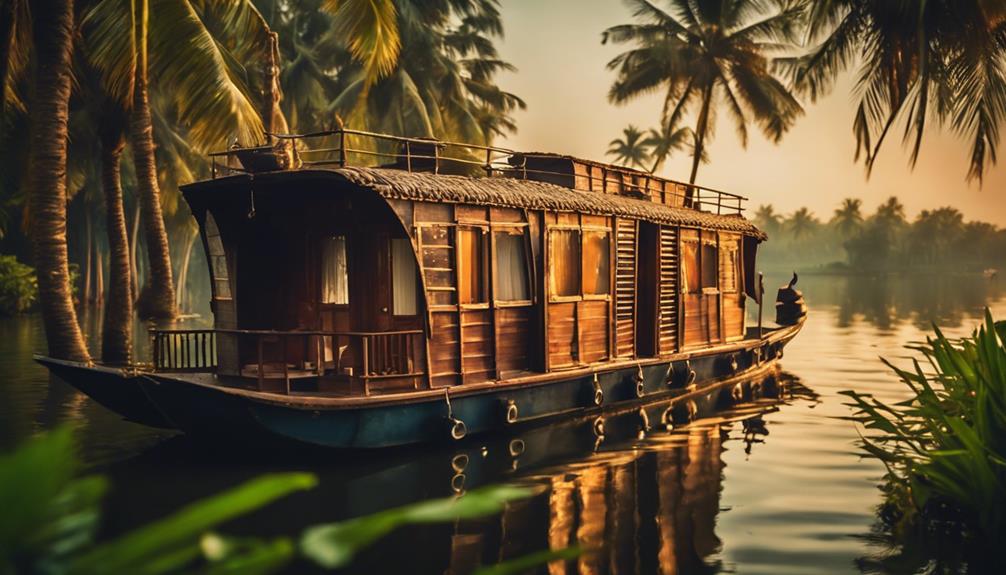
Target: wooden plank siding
[625, 288]
[732, 286]
[667, 328]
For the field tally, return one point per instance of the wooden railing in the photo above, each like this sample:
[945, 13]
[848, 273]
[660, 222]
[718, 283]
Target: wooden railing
[345, 147]
[364, 357]
[184, 350]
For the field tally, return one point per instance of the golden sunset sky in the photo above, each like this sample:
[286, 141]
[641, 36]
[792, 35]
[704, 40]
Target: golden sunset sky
[556, 46]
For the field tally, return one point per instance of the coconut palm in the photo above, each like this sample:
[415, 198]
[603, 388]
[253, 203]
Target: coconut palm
[662, 142]
[801, 224]
[940, 60]
[631, 149]
[766, 218]
[892, 211]
[443, 84]
[53, 43]
[708, 53]
[848, 218]
[117, 332]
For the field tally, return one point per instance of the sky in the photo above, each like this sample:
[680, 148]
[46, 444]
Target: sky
[556, 47]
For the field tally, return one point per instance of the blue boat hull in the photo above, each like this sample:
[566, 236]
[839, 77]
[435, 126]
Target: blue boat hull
[205, 407]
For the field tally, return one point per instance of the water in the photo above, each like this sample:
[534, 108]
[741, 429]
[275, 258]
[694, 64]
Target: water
[772, 485]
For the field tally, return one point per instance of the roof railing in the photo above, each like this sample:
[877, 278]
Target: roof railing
[357, 148]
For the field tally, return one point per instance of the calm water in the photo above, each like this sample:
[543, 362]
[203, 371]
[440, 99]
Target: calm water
[771, 485]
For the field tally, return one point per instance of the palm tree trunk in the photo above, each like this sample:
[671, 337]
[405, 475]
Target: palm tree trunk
[134, 280]
[88, 250]
[8, 11]
[99, 276]
[700, 133]
[116, 335]
[157, 299]
[53, 41]
[183, 271]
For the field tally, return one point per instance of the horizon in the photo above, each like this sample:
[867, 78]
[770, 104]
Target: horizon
[561, 91]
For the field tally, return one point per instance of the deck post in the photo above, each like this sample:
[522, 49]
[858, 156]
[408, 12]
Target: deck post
[365, 344]
[761, 300]
[342, 148]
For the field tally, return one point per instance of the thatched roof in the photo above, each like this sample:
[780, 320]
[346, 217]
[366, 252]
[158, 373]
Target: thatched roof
[534, 195]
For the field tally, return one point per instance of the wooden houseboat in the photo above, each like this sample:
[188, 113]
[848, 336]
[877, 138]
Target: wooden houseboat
[373, 291]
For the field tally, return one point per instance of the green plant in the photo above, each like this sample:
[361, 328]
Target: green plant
[51, 516]
[18, 286]
[945, 447]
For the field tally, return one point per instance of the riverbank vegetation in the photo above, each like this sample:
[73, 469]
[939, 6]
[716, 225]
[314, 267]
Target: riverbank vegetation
[52, 523]
[944, 447]
[937, 240]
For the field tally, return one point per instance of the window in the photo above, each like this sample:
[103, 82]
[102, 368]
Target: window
[510, 281]
[471, 266]
[596, 271]
[403, 277]
[218, 260]
[710, 264]
[564, 250]
[334, 274]
[730, 268]
[690, 266]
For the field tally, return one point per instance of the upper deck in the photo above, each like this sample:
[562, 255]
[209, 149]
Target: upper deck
[342, 148]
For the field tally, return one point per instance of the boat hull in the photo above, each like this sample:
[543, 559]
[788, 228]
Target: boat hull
[115, 389]
[211, 410]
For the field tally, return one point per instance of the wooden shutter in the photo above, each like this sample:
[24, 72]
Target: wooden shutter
[625, 288]
[668, 327]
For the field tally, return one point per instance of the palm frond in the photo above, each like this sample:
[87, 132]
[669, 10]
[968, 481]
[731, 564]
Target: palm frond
[370, 28]
[209, 85]
[109, 46]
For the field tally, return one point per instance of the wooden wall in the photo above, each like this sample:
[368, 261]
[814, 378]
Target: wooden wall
[625, 287]
[579, 325]
[732, 286]
[475, 337]
[667, 302]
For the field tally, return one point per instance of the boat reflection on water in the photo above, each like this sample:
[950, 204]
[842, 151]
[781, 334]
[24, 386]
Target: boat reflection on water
[639, 488]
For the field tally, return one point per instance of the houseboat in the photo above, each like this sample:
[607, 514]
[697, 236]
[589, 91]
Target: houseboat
[372, 291]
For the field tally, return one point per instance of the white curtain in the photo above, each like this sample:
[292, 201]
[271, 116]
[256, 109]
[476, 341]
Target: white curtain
[403, 277]
[511, 267]
[334, 274]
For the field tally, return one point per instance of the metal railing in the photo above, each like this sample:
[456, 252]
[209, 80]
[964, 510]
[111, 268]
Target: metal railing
[364, 357]
[345, 147]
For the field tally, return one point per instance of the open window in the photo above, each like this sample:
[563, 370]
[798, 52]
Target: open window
[510, 282]
[709, 263]
[472, 282]
[334, 271]
[403, 277]
[218, 260]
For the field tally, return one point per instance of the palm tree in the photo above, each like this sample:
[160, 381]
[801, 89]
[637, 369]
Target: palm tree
[631, 149]
[801, 224]
[117, 332]
[443, 84]
[938, 60]
[892, 210]
[662, 142]
[214, 101]
[53, 24]
[706, 53]
[767, 219]
[848, 218]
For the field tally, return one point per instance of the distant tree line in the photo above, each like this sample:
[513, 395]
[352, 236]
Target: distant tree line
[936, 240]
